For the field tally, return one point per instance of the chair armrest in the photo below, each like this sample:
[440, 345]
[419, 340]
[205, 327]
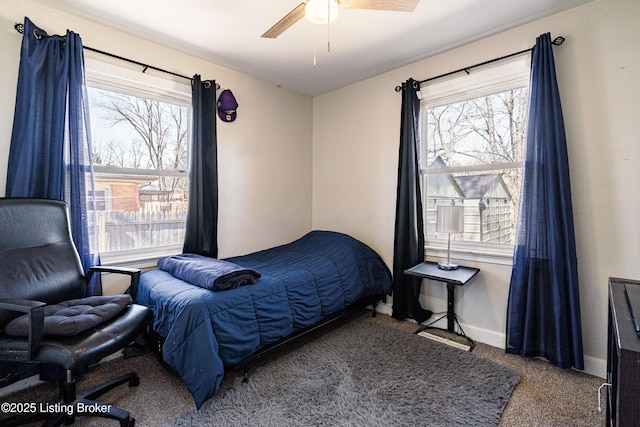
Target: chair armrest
[133, 273]
[35, 310]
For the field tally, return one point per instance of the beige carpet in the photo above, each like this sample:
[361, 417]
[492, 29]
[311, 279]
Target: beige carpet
[546, 395]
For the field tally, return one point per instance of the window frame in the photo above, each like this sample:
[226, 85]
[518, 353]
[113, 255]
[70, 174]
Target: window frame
[494, 78]
[121, 79]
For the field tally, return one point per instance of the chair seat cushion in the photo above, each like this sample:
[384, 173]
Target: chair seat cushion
[72, 317]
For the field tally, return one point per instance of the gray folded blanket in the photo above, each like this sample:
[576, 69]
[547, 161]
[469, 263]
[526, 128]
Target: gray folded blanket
[209, 273]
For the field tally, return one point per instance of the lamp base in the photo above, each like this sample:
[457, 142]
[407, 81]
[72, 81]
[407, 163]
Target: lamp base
[447, 266]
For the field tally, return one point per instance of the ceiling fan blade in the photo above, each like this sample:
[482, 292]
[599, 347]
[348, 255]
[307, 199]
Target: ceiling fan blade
[291, 18]
[396, 5]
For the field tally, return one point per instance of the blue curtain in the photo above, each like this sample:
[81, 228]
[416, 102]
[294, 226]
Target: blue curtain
[543, 313]
[50, 153]
[408, 247]
[201, 236]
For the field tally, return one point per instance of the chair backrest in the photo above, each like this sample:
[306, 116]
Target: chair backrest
[38, 259]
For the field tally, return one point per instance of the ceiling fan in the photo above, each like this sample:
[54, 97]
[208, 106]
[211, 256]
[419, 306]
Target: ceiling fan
[323, 11]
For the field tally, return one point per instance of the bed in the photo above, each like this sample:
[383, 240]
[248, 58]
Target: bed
[300, 284]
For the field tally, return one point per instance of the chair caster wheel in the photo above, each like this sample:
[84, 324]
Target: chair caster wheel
[132, 422]
[134, 382]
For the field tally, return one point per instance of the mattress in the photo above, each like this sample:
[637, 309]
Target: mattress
[301, 283]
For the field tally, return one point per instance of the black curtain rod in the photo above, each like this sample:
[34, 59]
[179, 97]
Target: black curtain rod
[20, 28]
[557, 42]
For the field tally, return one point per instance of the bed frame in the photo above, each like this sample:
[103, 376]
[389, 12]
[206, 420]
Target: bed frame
[156, 341]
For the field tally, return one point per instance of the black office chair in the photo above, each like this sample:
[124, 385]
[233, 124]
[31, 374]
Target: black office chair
[44, 315]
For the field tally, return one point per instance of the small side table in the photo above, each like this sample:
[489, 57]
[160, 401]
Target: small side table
[458, 277]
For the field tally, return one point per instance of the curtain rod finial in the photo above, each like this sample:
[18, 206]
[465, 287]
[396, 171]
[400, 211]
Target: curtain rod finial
[558, 40]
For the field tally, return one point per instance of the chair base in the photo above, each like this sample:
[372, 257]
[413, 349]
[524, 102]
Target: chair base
[82, 404]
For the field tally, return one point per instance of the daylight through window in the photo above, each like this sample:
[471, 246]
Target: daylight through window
[473, 139]
[140, 138]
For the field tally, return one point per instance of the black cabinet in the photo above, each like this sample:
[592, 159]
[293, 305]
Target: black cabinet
[623, 358]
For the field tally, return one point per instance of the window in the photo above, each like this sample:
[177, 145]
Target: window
[140, 141]
[473, 131]
[97, 200]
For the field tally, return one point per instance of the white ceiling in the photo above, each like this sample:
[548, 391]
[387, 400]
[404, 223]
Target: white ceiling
[364, 43]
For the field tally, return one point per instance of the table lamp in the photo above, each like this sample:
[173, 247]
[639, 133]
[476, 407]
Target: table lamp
[449, 219]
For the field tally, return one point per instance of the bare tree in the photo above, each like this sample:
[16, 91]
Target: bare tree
[154, 135]
[484, 130]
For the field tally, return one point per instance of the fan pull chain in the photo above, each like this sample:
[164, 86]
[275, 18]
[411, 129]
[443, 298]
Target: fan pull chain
[315, 34]
[315, 38]
[328, 26]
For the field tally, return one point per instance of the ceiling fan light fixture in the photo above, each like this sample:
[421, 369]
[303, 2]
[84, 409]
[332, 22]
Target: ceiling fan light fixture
[321, 11]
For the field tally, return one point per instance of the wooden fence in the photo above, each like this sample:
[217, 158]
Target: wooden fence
[494, 223]
[120, 231]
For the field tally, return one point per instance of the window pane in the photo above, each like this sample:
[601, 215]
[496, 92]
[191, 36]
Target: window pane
[474, 137]
[140, 153]
[134, 132]
[490, 210]
[483, 130]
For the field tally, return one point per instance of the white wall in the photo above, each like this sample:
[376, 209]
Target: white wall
[355, 152]
[265, 197]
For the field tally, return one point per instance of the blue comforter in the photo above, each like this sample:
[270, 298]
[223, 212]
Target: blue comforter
[301, 283]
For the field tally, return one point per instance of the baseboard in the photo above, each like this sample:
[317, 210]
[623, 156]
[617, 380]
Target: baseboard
[384, 308]
[592, 365]
[595, 366]
[485, 336]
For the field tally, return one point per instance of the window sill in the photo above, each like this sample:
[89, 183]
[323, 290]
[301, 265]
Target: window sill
[473, 252]
[142, 259]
